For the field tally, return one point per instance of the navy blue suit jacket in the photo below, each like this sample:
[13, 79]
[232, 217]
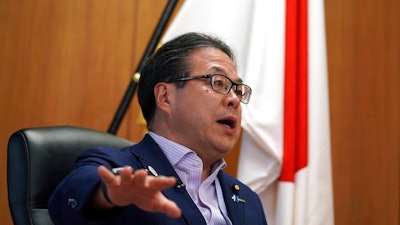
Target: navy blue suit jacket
[68, 204]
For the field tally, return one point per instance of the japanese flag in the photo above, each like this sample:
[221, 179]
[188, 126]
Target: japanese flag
[285, 152]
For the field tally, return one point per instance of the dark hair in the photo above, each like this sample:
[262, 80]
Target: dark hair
[172, 61]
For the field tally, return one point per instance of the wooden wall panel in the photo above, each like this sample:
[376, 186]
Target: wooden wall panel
[364, 70]
[68, 62]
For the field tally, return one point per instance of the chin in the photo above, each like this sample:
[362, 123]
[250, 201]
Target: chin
[227, 148]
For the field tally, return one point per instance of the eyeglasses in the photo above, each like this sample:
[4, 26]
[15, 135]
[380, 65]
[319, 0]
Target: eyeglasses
[223, 85]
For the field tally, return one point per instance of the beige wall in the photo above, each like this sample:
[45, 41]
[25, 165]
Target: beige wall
[69, 62]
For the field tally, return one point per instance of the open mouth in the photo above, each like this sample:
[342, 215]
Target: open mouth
[228, 122]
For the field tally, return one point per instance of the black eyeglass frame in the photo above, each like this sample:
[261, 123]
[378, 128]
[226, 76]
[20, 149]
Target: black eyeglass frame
[244, 98]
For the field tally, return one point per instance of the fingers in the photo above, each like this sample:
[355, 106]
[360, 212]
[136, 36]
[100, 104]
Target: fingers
[106, 175]
[140, 177]
[171, 209]
[161, 182]
[140, 189]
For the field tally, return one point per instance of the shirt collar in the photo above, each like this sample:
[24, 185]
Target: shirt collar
[176, 152]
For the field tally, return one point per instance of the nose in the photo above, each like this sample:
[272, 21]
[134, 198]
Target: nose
[232, 99]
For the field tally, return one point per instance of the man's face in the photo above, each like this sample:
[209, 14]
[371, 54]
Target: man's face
[205, 121]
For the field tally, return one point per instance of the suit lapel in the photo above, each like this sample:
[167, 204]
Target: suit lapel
[150, 154]
[235, 208]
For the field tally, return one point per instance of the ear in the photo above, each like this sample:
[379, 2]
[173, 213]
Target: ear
[163, 93]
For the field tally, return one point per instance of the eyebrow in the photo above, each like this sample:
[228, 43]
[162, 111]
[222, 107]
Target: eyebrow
[220, 70]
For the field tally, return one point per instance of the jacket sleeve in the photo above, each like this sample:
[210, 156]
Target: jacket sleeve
[69, 202]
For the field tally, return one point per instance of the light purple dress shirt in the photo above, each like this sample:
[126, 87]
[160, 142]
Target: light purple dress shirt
[207, 194]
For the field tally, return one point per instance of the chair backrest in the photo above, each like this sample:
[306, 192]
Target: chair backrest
[38, 159]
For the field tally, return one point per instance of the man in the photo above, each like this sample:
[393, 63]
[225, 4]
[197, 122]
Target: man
[190, 95]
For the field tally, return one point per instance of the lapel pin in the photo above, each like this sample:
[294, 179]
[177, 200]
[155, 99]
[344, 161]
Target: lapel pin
[237, 199]
[236, 188]
[235, 196]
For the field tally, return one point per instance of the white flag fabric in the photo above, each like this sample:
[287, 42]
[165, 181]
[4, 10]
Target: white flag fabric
[294, 185]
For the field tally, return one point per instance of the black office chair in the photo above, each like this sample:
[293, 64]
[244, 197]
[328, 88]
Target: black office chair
[38, 159]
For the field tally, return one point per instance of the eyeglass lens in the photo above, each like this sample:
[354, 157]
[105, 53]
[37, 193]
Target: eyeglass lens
[223, 85]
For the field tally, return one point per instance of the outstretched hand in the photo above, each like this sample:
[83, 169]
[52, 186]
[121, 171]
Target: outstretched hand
[140, 189]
